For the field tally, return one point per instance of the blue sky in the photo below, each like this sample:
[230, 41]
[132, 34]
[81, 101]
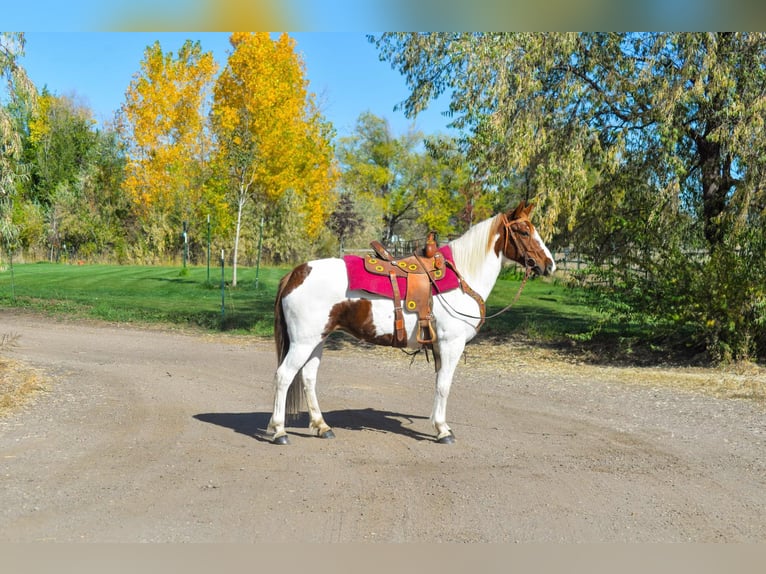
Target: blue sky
[347, 15]
[343, 70]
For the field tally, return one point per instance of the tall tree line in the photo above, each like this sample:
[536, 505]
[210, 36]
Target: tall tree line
[166, 164]
[243, 149]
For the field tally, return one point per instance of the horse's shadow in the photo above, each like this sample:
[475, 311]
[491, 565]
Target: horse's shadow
[254, 424]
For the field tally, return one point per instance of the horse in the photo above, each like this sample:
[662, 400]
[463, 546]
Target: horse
[314, 299]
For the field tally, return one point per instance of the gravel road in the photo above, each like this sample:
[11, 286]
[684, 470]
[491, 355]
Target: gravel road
[145, 434]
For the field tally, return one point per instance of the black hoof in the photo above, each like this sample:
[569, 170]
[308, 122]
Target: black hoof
[327, 434]
[447, 439]
[281, 440]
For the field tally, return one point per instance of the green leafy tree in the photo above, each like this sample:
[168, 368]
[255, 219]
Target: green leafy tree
[410, 189]
[644, 146]
[21, 97]
[373, 165]
[76, 171]
[458, 199]
[61, 135]
[92, 213]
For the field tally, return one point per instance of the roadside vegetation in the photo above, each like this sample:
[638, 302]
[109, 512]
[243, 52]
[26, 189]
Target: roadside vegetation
[147, 294]
[546, 311]
[18, 382]
[551, 312]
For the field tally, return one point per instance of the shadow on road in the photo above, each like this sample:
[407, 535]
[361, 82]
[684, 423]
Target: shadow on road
[254, 424]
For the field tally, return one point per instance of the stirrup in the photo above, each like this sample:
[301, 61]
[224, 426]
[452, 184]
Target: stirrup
[426, 334]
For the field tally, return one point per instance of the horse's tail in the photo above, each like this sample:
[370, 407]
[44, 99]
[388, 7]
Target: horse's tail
[293, 404]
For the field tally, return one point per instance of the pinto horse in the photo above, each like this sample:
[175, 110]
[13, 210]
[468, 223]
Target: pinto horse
[315, 299]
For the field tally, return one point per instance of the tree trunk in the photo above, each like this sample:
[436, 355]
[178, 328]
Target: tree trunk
[240, 205]
[716, 184]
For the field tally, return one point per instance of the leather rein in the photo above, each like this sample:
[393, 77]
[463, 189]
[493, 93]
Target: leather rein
[509, 234]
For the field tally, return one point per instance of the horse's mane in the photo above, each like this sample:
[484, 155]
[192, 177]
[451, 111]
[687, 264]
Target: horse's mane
[470, 249]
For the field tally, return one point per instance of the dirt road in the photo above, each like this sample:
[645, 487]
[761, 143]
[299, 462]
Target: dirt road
[154, 435]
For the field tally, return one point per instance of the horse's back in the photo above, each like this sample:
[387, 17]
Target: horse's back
[316, 279]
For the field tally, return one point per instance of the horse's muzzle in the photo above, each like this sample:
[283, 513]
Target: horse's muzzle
[550, 267]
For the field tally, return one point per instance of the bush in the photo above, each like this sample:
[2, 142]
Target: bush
[690, 300]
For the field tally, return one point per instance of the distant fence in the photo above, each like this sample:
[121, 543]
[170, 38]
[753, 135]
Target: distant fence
[568, 260]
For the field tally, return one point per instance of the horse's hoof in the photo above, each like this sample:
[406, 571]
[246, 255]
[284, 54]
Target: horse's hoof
[281, 439]
[448, 438]
[327, 434]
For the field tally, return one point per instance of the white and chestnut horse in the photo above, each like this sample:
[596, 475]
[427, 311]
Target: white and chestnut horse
[314, 300]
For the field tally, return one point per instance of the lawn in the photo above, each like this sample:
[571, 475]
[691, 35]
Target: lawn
[146, 294]
[546, 311]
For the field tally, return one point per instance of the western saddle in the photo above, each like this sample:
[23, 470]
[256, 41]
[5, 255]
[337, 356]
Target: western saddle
[421, 270]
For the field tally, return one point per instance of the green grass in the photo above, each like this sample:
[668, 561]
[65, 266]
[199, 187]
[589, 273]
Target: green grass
[142, 294]
[546, 311]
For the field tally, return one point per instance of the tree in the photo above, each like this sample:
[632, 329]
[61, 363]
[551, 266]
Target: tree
[58, 151]
[21, 96]
[470, 200]
[344, 219]
[89, 214]
[61, 135]
[644, 145]
[19, 91]
[271, 139]
[163, 122]
[374, 169]
[414, 183]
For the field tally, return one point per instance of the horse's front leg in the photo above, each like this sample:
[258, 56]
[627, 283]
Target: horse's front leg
[450, 352]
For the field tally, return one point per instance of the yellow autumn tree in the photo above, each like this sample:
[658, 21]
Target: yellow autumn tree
[271, 137]
[164, 122]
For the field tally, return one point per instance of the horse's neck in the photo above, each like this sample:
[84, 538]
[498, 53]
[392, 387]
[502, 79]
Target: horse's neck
[474, 258]
[484, 281]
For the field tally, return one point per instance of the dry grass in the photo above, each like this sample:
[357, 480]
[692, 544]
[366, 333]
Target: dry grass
[18, 382]
[741, 381]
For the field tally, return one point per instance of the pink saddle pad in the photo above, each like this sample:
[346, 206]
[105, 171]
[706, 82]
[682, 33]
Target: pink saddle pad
[359, 279]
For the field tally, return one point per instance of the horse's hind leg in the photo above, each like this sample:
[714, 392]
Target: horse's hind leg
[296, 358]
[309, 373]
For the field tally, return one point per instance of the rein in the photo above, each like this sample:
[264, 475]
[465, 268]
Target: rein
[509, 234]
[516, 298]
[468, 291]
[471, 293]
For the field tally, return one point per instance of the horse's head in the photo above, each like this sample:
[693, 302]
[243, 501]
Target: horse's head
[519, 241]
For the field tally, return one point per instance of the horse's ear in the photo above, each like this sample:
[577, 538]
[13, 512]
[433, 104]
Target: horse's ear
[529, 209]
[518, 211]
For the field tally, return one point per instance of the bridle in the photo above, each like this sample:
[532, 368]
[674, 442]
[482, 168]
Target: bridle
[510, 235]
